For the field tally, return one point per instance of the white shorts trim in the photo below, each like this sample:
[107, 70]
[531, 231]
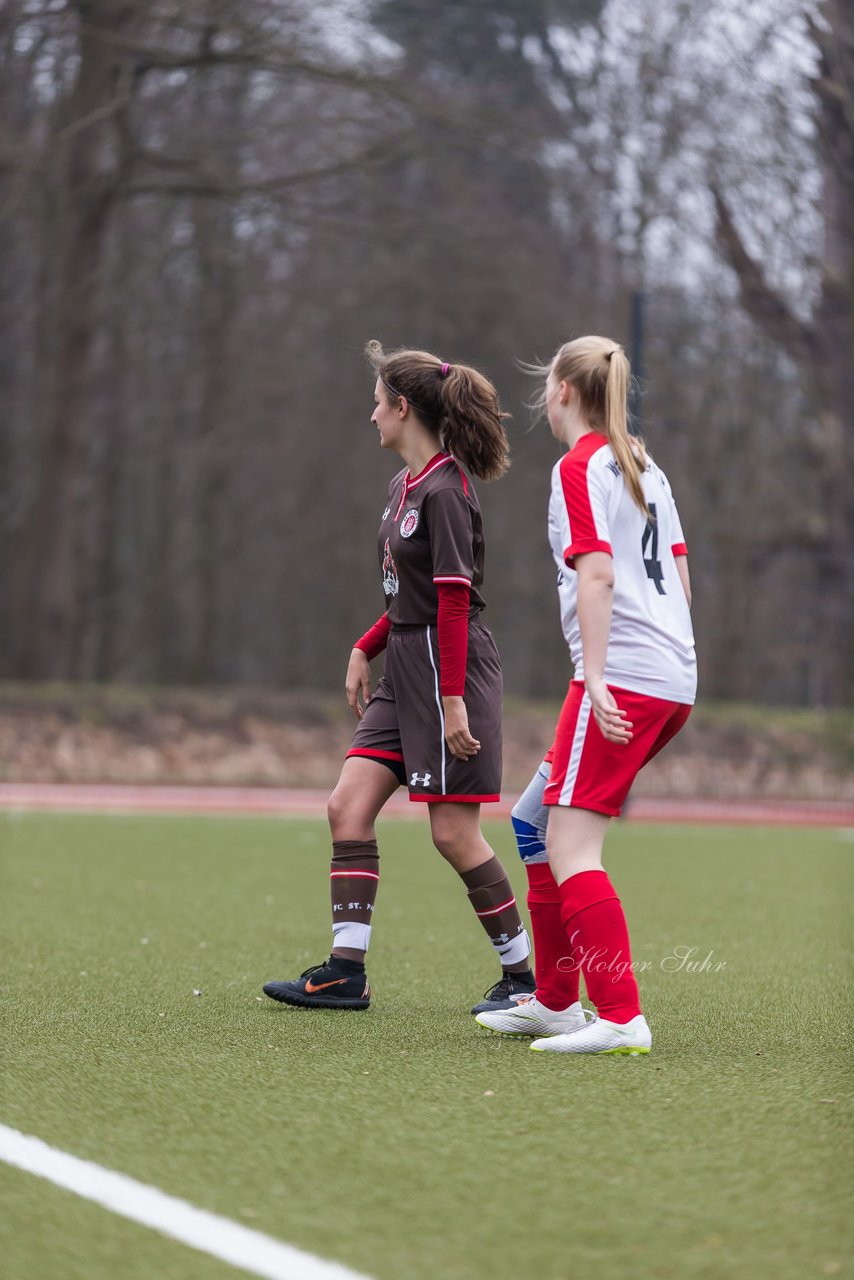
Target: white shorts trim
[577, 748]
[441, 710]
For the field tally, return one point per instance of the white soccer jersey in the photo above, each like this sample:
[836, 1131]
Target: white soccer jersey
[651, 645]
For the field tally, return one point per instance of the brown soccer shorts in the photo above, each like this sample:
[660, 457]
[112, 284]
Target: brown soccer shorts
[403, 726]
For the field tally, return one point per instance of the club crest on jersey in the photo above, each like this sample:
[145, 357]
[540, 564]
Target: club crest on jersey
[391, 583]
[409, 523]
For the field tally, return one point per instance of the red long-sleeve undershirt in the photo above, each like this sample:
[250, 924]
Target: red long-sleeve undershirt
[452, 626]
[376, 638]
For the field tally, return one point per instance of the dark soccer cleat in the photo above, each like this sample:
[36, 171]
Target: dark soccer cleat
[505, 994]
[323, 986]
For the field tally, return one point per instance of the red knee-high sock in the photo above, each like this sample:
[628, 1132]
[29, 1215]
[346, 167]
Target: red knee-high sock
[557, 974]
[595, 925]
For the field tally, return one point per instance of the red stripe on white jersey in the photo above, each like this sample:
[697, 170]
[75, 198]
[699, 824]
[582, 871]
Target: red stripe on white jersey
[582, 549]
[573, 479]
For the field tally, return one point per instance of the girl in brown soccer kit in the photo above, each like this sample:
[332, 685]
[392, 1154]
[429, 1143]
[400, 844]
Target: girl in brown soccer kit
[434, 722]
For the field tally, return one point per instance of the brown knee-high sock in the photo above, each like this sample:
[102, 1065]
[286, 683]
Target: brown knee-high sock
[494, 905]
[354, 878]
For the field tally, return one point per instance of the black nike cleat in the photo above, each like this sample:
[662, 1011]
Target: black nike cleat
[505, 994]
[323, 986]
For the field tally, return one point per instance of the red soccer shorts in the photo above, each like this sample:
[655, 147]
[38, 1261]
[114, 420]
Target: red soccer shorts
[588, 772]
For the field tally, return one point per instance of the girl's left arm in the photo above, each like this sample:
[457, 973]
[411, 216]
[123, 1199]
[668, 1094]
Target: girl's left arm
[452, 627]
[684, 577]
[595, 571]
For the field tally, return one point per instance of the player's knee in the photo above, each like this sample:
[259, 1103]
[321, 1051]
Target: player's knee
[448, 844]
[334, 812]
[350, 814]
[339, 811]
[449, 840]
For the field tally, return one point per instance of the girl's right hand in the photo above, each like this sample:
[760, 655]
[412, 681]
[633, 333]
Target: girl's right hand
[461, 744]
[358, 681]
[610, 719]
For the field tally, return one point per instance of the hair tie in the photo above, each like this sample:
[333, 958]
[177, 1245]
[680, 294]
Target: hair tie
[443, 372]
[613, 352]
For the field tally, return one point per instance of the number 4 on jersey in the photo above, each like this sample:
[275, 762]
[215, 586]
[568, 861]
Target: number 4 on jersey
[652, 564]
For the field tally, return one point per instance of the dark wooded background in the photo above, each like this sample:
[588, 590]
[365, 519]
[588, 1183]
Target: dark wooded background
[207, 207]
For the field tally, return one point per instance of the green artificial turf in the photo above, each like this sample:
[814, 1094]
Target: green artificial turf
[405, 1141]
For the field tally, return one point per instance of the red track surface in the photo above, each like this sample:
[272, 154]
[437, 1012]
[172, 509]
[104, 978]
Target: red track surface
[68, 798]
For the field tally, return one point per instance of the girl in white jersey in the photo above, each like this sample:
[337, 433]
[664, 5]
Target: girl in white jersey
[624, 598]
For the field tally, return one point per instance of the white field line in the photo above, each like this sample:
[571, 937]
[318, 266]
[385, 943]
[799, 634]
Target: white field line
[250, 1251]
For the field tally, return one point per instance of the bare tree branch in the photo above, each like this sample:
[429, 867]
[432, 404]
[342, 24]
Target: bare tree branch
[99, 114]
[469, 118]
[761, 302]
[198, 181]
[147, 57]
[836, 48]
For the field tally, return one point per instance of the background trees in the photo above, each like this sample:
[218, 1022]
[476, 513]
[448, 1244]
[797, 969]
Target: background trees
[207, 208]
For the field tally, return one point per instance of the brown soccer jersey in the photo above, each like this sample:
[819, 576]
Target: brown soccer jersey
[431, 532]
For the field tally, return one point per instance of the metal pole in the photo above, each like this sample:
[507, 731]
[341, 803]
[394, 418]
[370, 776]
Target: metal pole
[638, 321]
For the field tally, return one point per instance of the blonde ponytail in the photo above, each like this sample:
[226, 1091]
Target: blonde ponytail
[630, 454]
[599, 369]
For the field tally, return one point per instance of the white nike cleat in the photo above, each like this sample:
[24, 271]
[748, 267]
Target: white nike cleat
[531, 1018]
[602, 1036]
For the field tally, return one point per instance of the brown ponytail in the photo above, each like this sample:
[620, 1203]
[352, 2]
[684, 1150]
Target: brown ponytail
[454, 400]
[599, 369]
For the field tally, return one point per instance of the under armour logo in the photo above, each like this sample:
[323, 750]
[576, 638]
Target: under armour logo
[416, 781]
